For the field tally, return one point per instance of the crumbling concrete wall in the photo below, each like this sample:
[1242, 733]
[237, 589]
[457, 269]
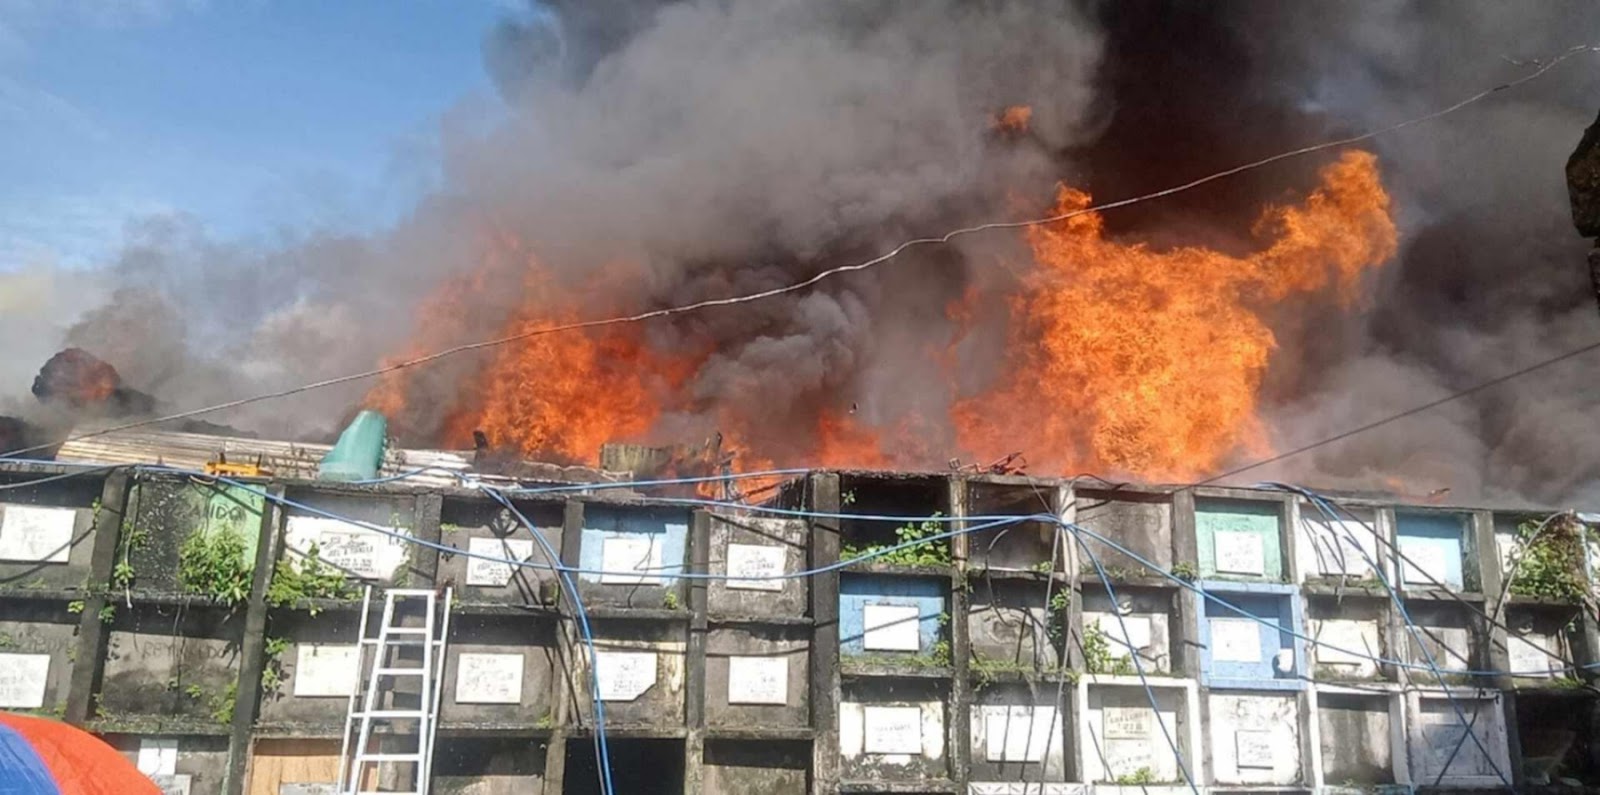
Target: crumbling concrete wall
[1450, 636]
[499, 672]
[630, 556]
[1341, 548]
[383, 555]
[1008, 622]
[187, 765]
[488, 529]
[758, 676]
[1240, 539]
[1356, 740]
[1125, 735]
[172, 660]
[1019, 732]
[1142, 523]
[164, 512]
[1147, 621]
[1349, 637]
[1255, 738]
[488, 766]
[689, 721]
[34, 634]
[313, 672]
[47, 535]
[893, 730]
[642, 673]
[769, 768]
[756, 546]
[1437, 737]
[1019, 546]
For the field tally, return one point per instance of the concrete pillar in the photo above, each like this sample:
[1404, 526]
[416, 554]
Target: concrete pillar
[252, 649]
[695, 675]
[824, 655]
[568, 683]
[958, 736]
[92, 633]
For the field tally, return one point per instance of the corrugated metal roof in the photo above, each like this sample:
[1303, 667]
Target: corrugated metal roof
[292, 460]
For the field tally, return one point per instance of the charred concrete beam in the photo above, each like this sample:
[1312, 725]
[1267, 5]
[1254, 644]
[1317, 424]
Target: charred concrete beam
[92, 631]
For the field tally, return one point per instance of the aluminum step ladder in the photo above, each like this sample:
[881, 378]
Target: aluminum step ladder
[361, 765]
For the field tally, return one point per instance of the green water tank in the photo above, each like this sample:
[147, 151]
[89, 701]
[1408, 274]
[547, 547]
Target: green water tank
[359, 451]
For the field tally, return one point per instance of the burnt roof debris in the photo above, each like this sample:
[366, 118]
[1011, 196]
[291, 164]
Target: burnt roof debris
[1583, 189]
[79, 380]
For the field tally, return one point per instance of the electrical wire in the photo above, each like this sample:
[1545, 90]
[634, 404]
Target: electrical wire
[1138, 664]
[1213, 479]
[1438, 587]
[602, 748]
[1411, 625]
[944, 239]
[1513, 563]
[1443, 588]
[988, 523]
[61, 476]
[1414, 410]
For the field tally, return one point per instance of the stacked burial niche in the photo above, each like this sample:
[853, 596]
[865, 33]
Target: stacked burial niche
[984, 663]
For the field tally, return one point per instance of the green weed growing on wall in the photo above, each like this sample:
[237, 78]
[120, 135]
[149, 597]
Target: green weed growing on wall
[220, 705]
[928, 553]
[1055, 622]
[134, 538]
[272, 672]
[1097, 656]
[1143, 775]
[309, 578]
[1550, 562]
[213, 565]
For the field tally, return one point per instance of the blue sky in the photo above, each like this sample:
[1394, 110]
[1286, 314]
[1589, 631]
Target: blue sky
[250, 115]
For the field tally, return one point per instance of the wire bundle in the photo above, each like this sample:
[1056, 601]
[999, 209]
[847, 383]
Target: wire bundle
[1066, 532]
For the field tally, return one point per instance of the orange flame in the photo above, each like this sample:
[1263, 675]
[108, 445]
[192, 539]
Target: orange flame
[1133, 360]
[560, 396]
[1120, 358]
[1014, 119]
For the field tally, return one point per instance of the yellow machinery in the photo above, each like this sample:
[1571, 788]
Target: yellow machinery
[221, 466]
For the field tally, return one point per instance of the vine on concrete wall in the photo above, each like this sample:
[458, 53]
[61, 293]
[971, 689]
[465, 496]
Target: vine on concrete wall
[213, 565]
[220, 705]
[1550, 561]
[932, 553]
[272, 671]
[1097, 656]
[295, 585]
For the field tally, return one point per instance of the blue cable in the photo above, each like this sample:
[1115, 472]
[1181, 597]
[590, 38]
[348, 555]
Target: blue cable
[603, 750]
[565, 571]
[1416, 634]
[1138, 664]
[1285, 630]
[997, 521]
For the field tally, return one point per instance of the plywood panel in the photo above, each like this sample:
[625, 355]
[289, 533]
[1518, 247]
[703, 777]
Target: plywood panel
[279, 762]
